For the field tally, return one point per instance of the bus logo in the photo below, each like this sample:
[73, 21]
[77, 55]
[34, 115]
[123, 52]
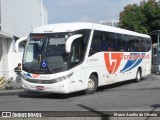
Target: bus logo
[112, 61]
[35, 75]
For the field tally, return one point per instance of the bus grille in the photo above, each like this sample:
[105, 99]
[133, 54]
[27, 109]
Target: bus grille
[41, 81]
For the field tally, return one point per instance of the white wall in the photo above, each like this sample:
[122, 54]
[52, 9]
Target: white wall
[9, 60]
[15, 58]
[7, 16]
[4, 59]
[1, 69]
[19, 17]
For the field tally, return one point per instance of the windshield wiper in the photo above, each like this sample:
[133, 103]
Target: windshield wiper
[59, 68]
[50, 69]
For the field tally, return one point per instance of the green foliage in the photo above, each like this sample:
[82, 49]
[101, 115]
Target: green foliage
[142, 18]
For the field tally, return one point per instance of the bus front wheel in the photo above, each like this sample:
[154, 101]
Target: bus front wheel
[92, 85]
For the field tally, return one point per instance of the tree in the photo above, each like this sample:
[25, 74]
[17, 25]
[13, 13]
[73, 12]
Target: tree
[142, 18]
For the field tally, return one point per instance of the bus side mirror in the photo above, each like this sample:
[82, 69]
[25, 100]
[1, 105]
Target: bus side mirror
[70, 41]
[18, 41]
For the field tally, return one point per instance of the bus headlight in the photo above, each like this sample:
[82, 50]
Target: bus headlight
[63, 77]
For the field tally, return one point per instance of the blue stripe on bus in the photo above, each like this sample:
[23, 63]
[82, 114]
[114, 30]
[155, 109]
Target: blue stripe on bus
[28, 75]
[136, 64]
[132, 63]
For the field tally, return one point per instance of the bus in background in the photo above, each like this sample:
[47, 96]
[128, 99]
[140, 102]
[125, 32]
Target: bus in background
[70, 57]
[155, 37]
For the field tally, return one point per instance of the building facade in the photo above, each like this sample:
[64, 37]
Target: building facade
[17, 19]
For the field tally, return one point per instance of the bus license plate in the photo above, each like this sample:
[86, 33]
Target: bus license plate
[39, 87]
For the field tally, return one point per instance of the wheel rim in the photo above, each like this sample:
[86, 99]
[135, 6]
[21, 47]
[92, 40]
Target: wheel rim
[91, 84]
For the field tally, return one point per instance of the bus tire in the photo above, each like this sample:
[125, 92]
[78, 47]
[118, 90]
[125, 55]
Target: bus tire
[92, 84]
[138, 75]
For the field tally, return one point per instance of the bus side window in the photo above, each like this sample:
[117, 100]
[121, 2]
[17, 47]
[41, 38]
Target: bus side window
[102, 45]
[132, 47]
[148, 45]
[110, 47]
[96, 44]
[122, 42]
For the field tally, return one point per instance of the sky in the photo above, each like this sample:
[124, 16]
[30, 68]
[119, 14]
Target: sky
[60, 11]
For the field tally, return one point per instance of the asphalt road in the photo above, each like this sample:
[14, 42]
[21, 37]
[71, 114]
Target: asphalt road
[126, 96]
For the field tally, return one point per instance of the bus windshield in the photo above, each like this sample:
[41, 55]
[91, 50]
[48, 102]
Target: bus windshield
[45, 53]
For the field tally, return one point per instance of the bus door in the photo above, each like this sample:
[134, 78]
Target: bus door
[76, 62]
[77, 81]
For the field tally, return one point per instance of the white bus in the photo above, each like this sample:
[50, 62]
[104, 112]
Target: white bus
[70, 57]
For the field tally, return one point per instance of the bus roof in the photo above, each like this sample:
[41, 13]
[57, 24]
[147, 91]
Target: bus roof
[69, 27]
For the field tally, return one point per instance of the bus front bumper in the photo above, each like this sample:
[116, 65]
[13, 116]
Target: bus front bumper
[59, 87]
